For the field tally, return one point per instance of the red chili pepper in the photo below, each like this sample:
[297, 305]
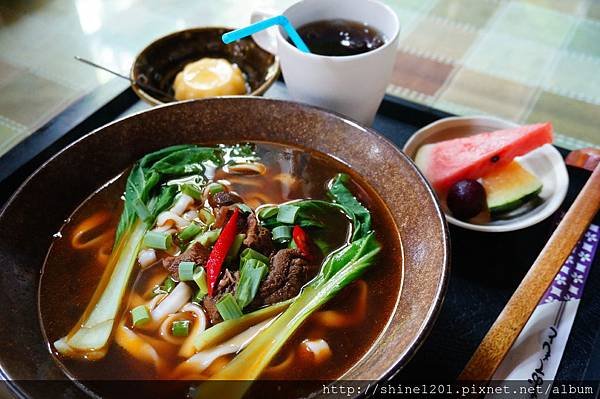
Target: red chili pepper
[302, 241]
[220, 250]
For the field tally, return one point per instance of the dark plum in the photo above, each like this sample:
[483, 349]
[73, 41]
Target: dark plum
[466, 198]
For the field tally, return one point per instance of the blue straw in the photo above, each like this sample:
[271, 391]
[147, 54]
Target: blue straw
[282, 20]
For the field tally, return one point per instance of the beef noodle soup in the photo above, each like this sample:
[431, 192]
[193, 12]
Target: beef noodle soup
[252, 261]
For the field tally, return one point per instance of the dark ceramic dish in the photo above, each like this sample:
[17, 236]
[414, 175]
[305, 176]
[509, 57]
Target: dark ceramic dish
[50, 195]
[158, 64]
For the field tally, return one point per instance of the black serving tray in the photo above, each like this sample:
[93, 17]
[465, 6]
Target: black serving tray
[486, 267]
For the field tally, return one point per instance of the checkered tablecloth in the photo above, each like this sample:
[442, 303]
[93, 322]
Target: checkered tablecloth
[525, 60]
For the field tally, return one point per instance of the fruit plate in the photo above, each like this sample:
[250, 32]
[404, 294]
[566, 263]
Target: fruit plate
[545, 162]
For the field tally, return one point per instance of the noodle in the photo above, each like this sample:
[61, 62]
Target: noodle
[188, 349]
[201, 360]
[252, 168]
[256, 199]
[84, 229]
[190, 215]
[168, 218]
[137, 347]
[165, 328]
[318, 349]
[244, 181]
[162, 347]
[171, 304]
[166, 228]
[282, 366]
[182, 204]
[155, 301]
[146, 257]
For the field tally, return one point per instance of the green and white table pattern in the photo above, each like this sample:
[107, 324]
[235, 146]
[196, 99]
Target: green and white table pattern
[527, 61]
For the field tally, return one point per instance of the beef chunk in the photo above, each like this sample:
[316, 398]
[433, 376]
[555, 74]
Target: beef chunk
[223, 198]
[258, 237]
[288, 272]
[210, 306]
[194, 253]
[223, 214]
[227, 283]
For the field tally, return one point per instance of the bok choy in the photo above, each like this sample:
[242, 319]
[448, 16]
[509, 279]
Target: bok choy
[361, 217]
[339, 269]
[146, 195]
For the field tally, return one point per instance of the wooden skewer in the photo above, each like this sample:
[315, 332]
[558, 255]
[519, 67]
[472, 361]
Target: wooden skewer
[507, 327]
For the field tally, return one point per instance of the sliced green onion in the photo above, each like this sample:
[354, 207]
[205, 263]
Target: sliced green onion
[214, 188]
[282, 233]
[169, 285]
[186, 271]
[250, 253]
[190, 232]
[208, 238]
[140, 315]
[292, 244]
[158, 240]
[200, 279]
[197, 299]
[267, 212]
[192, 190]
[252, 272]
[244, 208]
[228, 307]
[206, 216]
[180, 328]
[235, 247]
[287, 214]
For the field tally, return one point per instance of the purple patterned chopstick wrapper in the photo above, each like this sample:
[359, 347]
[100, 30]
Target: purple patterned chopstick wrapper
[536, 354]
[568, 283]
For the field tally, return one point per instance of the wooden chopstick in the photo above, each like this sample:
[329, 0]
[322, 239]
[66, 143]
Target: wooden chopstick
[507, 327]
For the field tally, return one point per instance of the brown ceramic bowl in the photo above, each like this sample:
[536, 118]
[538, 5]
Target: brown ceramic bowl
[158, 64]
[51, 194]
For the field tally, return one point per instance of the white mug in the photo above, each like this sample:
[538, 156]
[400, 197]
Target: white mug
[351, 85]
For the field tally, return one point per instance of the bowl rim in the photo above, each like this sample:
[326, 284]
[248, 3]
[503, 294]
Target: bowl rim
[555, 200]
[273, 71]
[442, 283]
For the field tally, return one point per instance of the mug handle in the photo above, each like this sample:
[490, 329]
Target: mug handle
[266, 38]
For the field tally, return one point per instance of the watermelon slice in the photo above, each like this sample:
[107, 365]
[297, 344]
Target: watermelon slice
[510, 187]
[449, 161]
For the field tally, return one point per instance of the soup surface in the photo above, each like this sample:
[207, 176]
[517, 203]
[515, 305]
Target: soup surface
[349, 324]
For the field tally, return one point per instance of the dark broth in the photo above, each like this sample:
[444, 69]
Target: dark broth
[340, 37]
[70, 276]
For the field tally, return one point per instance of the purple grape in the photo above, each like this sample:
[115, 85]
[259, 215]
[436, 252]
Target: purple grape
[466, 198]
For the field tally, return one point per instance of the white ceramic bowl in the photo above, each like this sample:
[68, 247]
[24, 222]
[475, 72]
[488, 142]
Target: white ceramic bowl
[545, 162]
